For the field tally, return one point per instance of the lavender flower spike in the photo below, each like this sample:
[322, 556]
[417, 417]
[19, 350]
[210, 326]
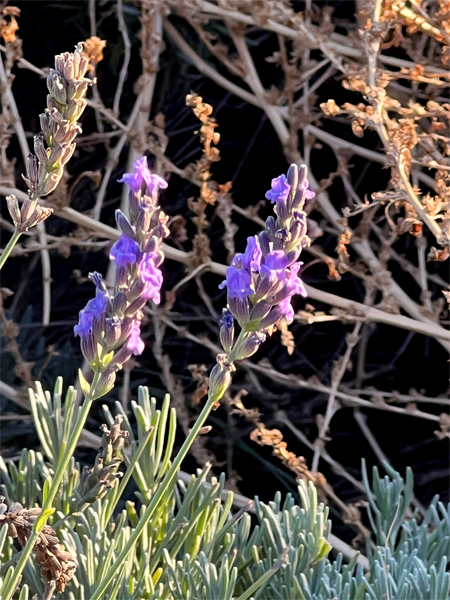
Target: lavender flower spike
[110, 325]
[262, 281]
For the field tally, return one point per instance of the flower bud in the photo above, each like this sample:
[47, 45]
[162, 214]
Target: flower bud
[54, 159]
[124, 224]
[98, 326]
[272, 318]
[299, 198]
[44, 119]
[89, 347]
[282, 211]
[151, 245]
[297, 229]
[127, 325]
[119, 359]
[302, 174]
[39, 214]
[240, 309]
[133, 204]
[105, 383]
[143, 220]
[292, 176]
[28, 208]
[113, 331]
[220, 378]
[249, 345]
[67, 154]
[14, 210]
[264, 242]
[260, 310]
[32, 169]
[119, 303]
[53, 104]
[74, 109]
[60, 62]
[271, 226]
[76, 89]
[51, 181]
[264, 285]
[57, 87]
[39, 148]
[136, 305]
[84, 64]
[226, 324]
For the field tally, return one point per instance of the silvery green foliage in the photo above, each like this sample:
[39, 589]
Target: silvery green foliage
[197, 547]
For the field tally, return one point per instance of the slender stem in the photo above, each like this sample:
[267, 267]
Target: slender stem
[66, 453]
[171, 474]
[9, 248]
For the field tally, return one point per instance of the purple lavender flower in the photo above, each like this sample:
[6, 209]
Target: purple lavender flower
[84, 325]
[286, 310]
[262, 281]
[238, 283]
[279, 190]
[309, 194]
[94, 309]
[151, 276]
[110, 326]
[125, 251]
[135, 343]
[294, 283]
[251, 259]
[143, 174]
[275, 264]
[97, 305]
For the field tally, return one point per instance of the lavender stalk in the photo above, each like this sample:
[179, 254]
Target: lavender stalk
[109, 325]
[55, 145]
[262, 281]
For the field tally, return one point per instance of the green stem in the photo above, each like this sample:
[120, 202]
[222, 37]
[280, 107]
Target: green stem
[9, 248]
[67, 451]
[171, 474]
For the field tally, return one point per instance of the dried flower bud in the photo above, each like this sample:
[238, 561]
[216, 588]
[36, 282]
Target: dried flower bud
[51, 182]
[14, 210]
[67, 153]
[57, 565]
[39, 148]
[75, 109]
[57, 87]
[32, 169]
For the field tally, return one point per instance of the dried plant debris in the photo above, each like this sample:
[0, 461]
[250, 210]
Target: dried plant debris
[57, 564]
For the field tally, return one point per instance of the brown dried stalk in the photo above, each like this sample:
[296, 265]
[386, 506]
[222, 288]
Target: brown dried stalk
[209, 190]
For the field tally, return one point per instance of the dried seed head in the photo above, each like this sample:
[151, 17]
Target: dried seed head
[57, 564]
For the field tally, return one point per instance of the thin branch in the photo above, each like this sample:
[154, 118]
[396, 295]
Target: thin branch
[126, 58]
[338, 373]
[352, 309]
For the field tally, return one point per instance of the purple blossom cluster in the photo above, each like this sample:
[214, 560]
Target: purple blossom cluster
[110, 325]
[262, 281]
